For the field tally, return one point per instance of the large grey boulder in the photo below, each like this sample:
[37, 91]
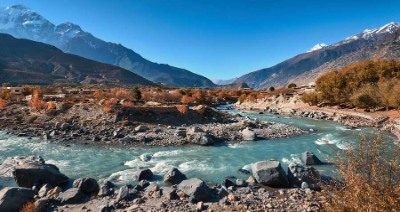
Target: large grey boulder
[202, 139]
[12, 199]
[310, 159]
[195, 188]
[86, 185]
[298, 174]
[32, 171]
[144, 174]
[123, 193]
[270, 173]
[248, 135]
[72, 196]
[173, 177]
[106, 189]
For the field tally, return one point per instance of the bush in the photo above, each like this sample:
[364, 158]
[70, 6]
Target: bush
[29, 207]
[292, 85]
[183, 109]
[3, 103]
[310, 98]
[371, 177]
[271, 89]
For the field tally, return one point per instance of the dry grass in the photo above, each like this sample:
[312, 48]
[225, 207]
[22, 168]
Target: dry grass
[28, 207]
[183, 109]
[3, 103]
[370, 172]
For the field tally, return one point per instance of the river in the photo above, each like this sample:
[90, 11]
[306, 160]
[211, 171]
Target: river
[211, 164]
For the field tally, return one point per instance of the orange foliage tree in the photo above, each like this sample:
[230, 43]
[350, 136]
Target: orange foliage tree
[35, 101]
[3, 103]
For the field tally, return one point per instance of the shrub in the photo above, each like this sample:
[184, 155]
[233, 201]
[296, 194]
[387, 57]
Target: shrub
[36, 102]
[51, 105]
[292, 85]
[127, 104]
[136, 94]
[3, 103]
[365, 97]
[186, 99]
[6, 94]
[371, 177]
[29, 207]
[271, 89]
[183, 109]
[310, 98]
[99, 95]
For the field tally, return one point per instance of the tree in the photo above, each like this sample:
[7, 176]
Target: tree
[271, 89]
[7, 84]
[3, 103]
[136, 94]
[292, 85]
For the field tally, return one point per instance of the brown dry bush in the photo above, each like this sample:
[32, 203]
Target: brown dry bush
[183, 109]
[3, 103]
[51, 105]
[36, 102]
[370, 177]
[28, 207]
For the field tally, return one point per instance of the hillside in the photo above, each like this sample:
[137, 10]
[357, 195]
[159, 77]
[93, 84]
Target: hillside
[22, 22]
[28, 62]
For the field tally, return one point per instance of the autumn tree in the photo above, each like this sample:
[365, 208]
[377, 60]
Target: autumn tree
[3, 103]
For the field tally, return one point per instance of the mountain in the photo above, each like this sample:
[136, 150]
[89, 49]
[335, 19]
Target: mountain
[223, 82]
[317, 47]
[380, 43]
[23, 22]
[28, 62]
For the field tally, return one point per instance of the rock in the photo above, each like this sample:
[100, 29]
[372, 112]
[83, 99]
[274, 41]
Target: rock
[169, 193]
[248, 135]
[243, 171]
[123, 193]
[65, 126]
[181, 132]
[126, 140]
[310, 159]
[12, 199]
[232, 197]
[107, 189]
[173, 177]
[194, 130]
[241, 183]
[144, 174]
[195, 188]
[227, 183]
[54, 192]
[86, 185]
[43, 191]
[32, 171]
[96, 138]
[145, 157]
[298, 174]
[251, 180]
[141, 128]
[72, 196]
[202, 139]
[199, 206]
[42, 204]
[144, 184]
[270, 173]
[222, 192]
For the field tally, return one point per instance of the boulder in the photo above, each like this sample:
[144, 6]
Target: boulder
[169, 193]
[202, 139]
[123, 193]
[12, 199]
[194, 130]
[144, 174]
[43, 191]
[298, 174]
[180, 132]
[227, 183]
[72, 196]
[248, 135]
[141, 128]
[86, 185]
[310, 159]
[195, 188]
[32, 171]
[241, 183]
[106, 189]
[270, 173]
[54, 192]
[145, 157]
[173, 177]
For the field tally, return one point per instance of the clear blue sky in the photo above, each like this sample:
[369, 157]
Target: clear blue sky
[219, 38]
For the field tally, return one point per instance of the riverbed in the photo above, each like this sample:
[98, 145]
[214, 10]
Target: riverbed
[212, 164]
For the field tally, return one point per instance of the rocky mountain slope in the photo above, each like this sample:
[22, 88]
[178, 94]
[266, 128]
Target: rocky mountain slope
[22, 22]
[381, 43]
[28, 62]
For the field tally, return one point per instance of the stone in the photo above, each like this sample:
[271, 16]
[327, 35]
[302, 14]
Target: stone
[32, 171]
[195, 188]
[44, 189]
[12, 199]
[126, 140]
[270, 173]
[144, 184]
[222, 192]
[193, 130]
[298, 174]
[96, 138]
[42, 204]
[202, 139]
[251, 180]
[199, 206]
[54, 192]
[145, 157]
[241, 183]
[169, 193]
[173, 177]
[86, 185]
[180, 132]
[248, 135]
[72, 196]
[227, 183]
[310, 159]
[123, 193]
[106, 189]
[232, 197]
[144, 174]
[141, 128]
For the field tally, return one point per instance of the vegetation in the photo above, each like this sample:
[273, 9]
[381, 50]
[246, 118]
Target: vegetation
[366, 84]
[3, 103]
[370, 170]
[292, 85]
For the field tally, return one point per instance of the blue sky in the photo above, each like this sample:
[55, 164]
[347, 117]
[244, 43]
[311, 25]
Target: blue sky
[219, 39]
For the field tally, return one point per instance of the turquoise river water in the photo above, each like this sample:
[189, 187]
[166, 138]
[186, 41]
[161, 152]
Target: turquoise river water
[211, 164]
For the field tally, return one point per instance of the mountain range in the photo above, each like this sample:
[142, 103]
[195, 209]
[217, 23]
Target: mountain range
[25, 61]
[22, 22]
[380, 43]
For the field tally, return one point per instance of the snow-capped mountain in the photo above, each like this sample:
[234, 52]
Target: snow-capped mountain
[22, 22]
[379, 43]
[317, 47]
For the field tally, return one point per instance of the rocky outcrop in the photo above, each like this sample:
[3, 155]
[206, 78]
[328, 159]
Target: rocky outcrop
[144, 174]
[86, 185]
[173, 177]
[303, 176]
[248, 135]
[196, 189]
[270, 173]
[12, 199]
[32, 171]
[72, 196]
[310, 159]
